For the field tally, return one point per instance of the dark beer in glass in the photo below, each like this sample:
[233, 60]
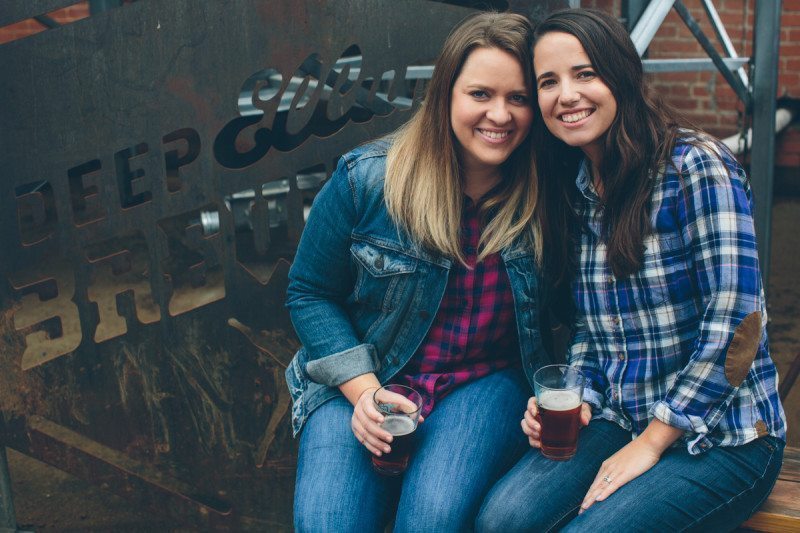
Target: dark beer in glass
[396, 461]
[559, 413]
[559, 389]
[400, 407]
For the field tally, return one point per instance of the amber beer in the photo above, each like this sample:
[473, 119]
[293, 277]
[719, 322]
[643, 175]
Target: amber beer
[400, 407]
[559, 389]
[559, 413]
[396, 461]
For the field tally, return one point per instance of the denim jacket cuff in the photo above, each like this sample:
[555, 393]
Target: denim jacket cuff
[335, 369]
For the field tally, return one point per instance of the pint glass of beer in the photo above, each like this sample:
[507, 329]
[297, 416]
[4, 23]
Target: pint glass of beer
[400, 407]
[559, 389]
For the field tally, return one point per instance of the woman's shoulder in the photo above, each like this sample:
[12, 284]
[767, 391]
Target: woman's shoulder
[700, 156]
[697, 146]
[371, 153]
[701, 163]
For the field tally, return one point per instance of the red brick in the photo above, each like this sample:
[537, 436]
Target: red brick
[790, 19]
[792, 35]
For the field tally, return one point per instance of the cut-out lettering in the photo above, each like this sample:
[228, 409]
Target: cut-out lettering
[47, 306]
[120, 267]
[84, 192]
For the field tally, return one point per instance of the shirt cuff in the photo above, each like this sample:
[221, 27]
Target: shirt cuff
[333, 370]
[593, 398]
[697, 439]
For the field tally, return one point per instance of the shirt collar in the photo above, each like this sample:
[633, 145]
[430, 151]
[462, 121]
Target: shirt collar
[584, 182]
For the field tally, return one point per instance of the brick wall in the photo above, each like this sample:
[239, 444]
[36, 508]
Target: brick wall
[705, 97]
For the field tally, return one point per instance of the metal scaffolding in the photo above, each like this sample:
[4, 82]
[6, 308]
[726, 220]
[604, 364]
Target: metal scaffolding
[756, 91]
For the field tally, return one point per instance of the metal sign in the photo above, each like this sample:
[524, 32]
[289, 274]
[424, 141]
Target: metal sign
[157, 161]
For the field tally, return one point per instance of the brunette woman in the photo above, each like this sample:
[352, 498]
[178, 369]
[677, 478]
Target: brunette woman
[684, 427]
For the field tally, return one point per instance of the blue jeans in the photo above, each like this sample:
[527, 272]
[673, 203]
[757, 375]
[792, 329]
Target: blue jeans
[714, 491]
[468, 442]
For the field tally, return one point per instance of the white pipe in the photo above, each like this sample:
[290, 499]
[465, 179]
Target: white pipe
[736, 143]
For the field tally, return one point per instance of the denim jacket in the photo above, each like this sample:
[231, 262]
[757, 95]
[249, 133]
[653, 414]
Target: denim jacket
[362, 295]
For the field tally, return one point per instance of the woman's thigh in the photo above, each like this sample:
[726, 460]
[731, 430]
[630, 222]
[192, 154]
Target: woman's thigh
[470, 439]
[538, 493]
[714, 491]
[336, 488]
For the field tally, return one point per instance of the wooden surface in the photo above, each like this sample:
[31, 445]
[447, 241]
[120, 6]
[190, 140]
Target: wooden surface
[781, 512]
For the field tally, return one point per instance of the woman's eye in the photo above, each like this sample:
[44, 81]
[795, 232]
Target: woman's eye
[586, 74]
[519, 99]
[546, 83]
[478, 94]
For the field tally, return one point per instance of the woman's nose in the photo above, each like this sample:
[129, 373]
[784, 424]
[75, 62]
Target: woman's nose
[568, 96]
[498, 112]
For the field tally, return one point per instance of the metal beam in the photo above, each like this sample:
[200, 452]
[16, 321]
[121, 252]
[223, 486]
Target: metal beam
[631, 11]
[690, 65]
[649, 22]
[735, 83]
[8, 520]
[766, 42]
[722, 35]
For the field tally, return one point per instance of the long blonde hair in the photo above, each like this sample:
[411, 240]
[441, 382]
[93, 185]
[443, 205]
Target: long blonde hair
[423, 190]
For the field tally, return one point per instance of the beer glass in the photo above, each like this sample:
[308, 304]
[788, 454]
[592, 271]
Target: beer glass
[400, 407]
[559, 389]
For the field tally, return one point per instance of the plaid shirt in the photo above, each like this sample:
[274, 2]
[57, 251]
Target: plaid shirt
[474, 333]
[684, 339]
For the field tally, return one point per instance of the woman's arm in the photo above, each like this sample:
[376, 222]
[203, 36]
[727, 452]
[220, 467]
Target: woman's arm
[714, 214]
[320, 281]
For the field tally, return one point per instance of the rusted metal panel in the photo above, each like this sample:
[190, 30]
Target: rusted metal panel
[18, 10]
[143, 346]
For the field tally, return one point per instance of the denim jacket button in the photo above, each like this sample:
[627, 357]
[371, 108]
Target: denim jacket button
[379, 262]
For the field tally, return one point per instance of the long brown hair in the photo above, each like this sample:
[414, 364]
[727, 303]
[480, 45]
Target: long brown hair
[423, 188]
[636, 146]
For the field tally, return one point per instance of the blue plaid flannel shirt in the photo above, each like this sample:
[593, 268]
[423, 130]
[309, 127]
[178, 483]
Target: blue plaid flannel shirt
[684, 339]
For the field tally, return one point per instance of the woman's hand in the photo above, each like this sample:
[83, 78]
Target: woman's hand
[633, 460]
[366, 424]
[533, 428]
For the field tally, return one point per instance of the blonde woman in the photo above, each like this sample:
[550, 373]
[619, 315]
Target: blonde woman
[415, 268]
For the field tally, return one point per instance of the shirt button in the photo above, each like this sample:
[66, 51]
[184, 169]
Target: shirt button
[424, 315]
[610, 280]
[615, 320]
[621, 356]
[379, 262]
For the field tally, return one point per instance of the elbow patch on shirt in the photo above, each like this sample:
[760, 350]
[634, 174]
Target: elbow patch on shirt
[742, 349]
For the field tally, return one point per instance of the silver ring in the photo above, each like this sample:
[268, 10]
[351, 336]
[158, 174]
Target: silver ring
[607, 479]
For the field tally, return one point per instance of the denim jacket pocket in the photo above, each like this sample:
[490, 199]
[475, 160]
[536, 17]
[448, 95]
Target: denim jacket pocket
[381, 271]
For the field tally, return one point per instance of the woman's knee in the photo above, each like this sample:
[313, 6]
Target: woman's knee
[509, 512]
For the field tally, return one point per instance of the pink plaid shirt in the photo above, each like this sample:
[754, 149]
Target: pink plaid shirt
[474, 332]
